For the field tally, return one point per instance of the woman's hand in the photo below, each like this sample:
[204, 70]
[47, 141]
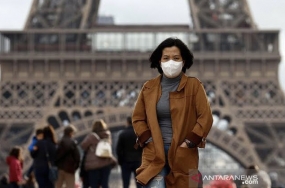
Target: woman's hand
[184, 145]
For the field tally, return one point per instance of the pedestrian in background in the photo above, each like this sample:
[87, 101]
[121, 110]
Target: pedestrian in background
[67, 158]
[43, 154]
[39, 136]
[171, 118]
[97, 168]
[128, 157]
[261, 176]
[15, 163]
[275, 183]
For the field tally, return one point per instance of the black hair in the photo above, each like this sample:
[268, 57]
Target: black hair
[49, 133]
[186, 54]
[129, 120]
[39, 131]
[252, 169]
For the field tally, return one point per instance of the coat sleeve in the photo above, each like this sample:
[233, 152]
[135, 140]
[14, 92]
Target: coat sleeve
[76, 154]
[34, 153]
[204, 116]
[61, 151]
[139, 120]
[119, 148]
[33, 143]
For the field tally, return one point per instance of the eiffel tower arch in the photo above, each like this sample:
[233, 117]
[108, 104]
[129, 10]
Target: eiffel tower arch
[65, 67]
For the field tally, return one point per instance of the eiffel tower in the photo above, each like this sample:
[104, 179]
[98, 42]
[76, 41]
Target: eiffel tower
[64, 67]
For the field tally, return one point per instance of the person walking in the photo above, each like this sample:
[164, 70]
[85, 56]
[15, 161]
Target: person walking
[128, 157]
[260, 176]
[171, 118]
[43, 155]
[15, 163]
[67, 158]
[97, 168]
[39, 136]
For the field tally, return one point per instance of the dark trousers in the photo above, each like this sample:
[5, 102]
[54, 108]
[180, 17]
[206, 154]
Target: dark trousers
[85, 182]
[30, 170]
[99, 177]
[127, 169]
[42, 177]
[15, 185]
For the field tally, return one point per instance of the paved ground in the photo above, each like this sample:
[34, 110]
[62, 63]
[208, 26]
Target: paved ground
[115, 180]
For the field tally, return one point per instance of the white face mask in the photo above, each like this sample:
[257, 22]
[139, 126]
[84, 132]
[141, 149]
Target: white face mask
[171, 68]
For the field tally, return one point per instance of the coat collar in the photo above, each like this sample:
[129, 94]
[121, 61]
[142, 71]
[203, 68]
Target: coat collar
[156, 81]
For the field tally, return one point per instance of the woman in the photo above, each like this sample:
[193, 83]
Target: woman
[97, 168]
[15, 163]
[171, 118]
[44, 153]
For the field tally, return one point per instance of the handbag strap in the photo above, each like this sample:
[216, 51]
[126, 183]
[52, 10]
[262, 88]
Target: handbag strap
[47, 154]
[96, 136]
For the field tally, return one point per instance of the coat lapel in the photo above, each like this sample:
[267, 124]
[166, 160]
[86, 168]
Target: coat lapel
[152, 95]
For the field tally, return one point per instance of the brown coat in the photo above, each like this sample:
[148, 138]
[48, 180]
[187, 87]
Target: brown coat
[191, 118]
[67, 156]
[89, 145]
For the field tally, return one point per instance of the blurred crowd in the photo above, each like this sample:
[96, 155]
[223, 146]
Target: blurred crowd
[55, 163]
[67, 157]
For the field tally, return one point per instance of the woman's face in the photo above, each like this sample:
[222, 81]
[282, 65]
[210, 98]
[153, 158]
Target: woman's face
[171, 53]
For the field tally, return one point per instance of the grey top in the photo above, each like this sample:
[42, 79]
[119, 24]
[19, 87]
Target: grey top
[163, 108]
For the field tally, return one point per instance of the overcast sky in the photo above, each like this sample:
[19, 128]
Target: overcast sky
[268, 14]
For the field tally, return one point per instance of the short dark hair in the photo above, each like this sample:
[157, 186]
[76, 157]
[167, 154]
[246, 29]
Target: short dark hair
[69, 129]
[252, 169]
[39, 131]
[129, 120]
[186, 54]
